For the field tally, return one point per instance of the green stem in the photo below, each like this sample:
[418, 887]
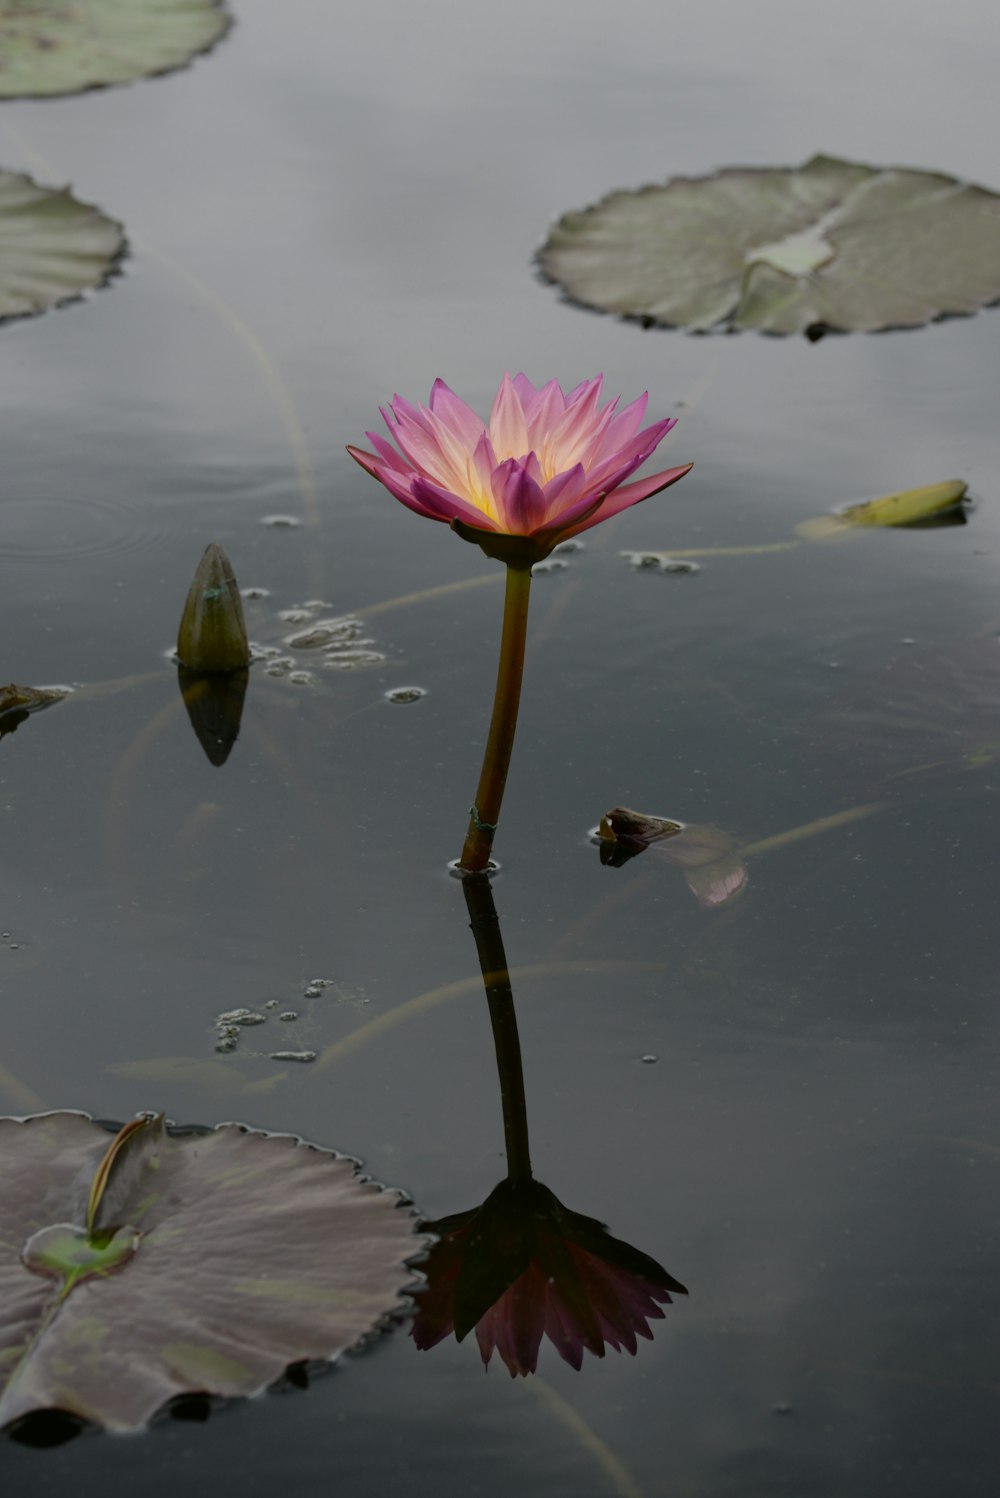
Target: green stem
[485, 812]
[496, 980]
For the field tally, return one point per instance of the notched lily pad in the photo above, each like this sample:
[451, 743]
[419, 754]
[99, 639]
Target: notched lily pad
[48, 48]
[53, 248]
[830, 245]
[161, 1263]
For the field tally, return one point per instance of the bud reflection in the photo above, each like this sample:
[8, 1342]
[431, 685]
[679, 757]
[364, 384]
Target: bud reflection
[215, 707]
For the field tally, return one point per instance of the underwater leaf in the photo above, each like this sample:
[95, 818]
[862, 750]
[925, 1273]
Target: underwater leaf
[52, 247]
[713, 868]
[828, 245]
[212, 1260]
[62, 49]
[17, 702]
[930, 506]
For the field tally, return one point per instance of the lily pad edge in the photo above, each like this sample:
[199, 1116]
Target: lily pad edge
[401, 1311]
[112, 271]
[228, 22]
[647, 323]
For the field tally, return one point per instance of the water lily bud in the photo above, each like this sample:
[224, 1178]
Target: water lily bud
[213, 634]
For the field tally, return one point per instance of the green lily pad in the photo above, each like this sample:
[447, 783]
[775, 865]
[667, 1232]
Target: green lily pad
[52, 247]
[49, 48]
[169, 1262]
[831, 245]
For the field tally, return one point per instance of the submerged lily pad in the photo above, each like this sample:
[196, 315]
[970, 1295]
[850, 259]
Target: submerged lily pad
[52, 246]
[171, 1262]
[828, 245]
[48, 48]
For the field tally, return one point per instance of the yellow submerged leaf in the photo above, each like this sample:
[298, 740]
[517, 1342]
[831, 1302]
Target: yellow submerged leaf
[906, 507]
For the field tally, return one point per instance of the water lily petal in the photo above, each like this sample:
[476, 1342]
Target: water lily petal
[460, 419]
[508, 430]
[632, 494]
[387, 453]
[564, 491]
[520, 499]
[443, 504]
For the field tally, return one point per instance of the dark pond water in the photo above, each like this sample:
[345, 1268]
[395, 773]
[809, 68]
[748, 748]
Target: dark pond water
[343, 202]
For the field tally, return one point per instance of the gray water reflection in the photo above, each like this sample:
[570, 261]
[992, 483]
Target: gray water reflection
[819, 1134]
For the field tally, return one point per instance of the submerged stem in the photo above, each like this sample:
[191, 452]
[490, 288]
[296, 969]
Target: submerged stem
[485, 811]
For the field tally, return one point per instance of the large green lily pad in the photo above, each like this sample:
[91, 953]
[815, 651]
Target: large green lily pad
[51, 48]
[52, 247]
[828, 245]
[175, 1262]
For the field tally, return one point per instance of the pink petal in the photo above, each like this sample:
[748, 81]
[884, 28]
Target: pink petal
[396, 483]
[443, 504]
[520, 499]
[565, 490]
[631, 494]
[628, 421]
[508, 431]
[388, 453]
[453, 413]
[427, 445]
[542, 409]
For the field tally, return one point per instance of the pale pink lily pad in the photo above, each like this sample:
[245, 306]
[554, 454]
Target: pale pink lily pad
[215, 1259]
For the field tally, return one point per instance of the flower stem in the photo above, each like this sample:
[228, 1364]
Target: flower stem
[485, 812]
[485, 926]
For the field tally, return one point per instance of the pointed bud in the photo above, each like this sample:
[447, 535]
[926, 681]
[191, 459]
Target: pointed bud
[213, 635]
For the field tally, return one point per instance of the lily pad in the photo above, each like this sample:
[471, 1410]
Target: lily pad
[166, 1262]
[830, 245]
[52, 247]
[48, 48]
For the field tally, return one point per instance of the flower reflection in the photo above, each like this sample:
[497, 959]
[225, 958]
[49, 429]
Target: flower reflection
[522, 1266]
[712, 867]
[546, 466]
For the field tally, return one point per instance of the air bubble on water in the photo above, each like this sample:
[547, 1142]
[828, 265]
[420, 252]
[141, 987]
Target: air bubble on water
[649, 1059]
[226, 1045]
[405, 694]
[352, 660]
[5, 935]
[312, 992]
[659, 561]
[271, 1004]
[907, 640]
[15, 946]
[253, 593]
[293, 1055]
[295, 616]
[554, 564]
[317, 603]
[241, 1017]
[288, 1014]
[325, 632]
[281, 522]
[566, 548]
[301, 678]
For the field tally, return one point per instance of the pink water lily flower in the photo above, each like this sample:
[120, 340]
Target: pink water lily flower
[545, 467]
